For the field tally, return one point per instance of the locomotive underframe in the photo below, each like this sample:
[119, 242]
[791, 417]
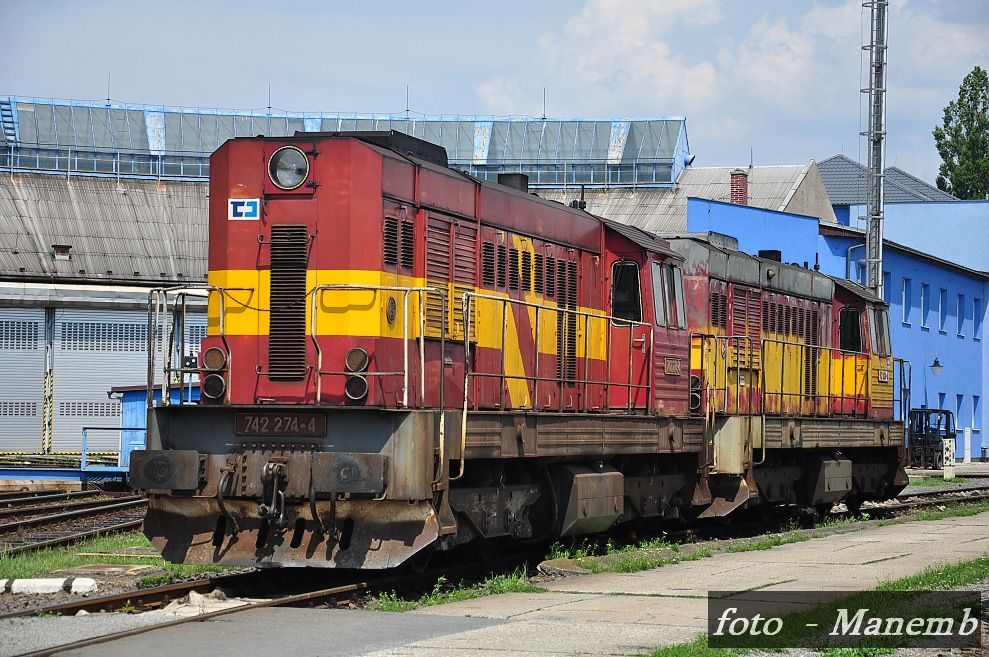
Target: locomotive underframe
[373, 492]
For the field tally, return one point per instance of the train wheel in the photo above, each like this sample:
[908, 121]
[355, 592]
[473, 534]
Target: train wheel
[822, 511]
[939, 461]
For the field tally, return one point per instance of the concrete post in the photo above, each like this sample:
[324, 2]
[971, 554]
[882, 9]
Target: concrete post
[967, 446]
[949, 458]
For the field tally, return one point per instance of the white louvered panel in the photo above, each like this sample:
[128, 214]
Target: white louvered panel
[96, 350]
[22, 353]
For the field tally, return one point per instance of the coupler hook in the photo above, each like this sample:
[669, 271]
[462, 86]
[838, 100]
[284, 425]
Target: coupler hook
[273, 482]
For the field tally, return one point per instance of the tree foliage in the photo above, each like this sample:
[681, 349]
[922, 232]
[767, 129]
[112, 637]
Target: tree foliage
[963, 140]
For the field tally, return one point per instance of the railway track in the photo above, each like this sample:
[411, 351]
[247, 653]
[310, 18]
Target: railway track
[300, 591]
[41, 526]
[295, 588]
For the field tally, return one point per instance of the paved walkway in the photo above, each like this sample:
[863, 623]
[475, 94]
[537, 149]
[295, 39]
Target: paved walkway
[604, 614]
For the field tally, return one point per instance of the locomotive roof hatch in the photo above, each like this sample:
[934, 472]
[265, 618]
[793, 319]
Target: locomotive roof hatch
[712, 258]
[392, 140]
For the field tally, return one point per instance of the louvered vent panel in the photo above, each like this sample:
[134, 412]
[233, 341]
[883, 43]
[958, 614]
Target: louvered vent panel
[487, 263]
[513, 269]
[464, 277]
[287, 324]
[437, 270]
[17, 334]
[502, 265]
[550, 277]
[408, 244]
[390, 241]
[526, 271]
[810, 364]
[566, 323]
[539, 274]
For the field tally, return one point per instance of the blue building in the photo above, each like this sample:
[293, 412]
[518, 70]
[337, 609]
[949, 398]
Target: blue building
[936, 284]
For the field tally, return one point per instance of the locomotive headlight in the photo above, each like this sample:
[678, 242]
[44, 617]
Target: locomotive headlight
[214, 359]
[357, 360]
[288, 167]
[213, 386]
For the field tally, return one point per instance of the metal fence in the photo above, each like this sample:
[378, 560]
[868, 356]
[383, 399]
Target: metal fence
[187, 165]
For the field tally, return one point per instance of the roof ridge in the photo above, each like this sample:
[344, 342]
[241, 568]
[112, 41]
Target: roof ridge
[920, 180]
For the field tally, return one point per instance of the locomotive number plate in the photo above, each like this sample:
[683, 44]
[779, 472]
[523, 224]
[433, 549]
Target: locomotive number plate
[279, 424]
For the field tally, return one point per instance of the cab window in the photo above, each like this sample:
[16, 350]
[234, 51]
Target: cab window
[849, 330]
[626, 302]
[657, 294]
[674, 297]
[882, 333]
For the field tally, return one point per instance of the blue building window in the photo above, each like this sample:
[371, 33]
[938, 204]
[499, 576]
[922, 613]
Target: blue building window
[940, 400]
[925, 304]
[961, 315]
[977, 318]
[976, 412]
[942, 309]
[907, 299]
[959, 401]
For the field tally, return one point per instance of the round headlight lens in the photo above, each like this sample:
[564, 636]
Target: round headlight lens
[213, 386]
[214, 358]
[356, 387]
[288, 167]
[357, 360]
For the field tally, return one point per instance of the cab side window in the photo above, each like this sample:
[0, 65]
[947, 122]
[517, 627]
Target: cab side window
[674, 297]
[626, 302]
[657, 294]
[849, 330]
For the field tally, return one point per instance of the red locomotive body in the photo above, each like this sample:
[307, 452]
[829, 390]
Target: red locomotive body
[403, 358]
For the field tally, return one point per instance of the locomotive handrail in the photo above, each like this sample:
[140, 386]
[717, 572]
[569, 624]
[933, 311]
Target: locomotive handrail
[815, 351]
[422, 292]
[158, 313]
[609, 320]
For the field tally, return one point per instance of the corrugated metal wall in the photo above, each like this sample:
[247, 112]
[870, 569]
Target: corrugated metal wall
[96, 350]
[22, 355]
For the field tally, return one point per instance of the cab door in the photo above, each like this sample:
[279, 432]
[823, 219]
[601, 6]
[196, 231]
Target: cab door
[629, 339]
[671, 369]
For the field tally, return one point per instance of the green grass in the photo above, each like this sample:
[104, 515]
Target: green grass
[443, 593]
[768, 543]
[952, 510]
[939, 578]
[933, 482]
[31, 564]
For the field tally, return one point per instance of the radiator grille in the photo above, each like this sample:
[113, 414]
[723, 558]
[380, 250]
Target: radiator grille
[390, 241]
[539, 274]
[408, 244]
[566, 323]
[287, 330]
[488, 263]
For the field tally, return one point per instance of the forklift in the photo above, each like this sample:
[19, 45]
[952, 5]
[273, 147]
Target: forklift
[928, 429]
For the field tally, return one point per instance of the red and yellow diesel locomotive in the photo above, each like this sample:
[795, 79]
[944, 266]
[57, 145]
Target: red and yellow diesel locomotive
[403, 358]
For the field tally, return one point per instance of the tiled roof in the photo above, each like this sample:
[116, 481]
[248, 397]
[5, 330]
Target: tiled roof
[844, 179]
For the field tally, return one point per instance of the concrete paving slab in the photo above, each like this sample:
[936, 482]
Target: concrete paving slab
[508, 605]
[296, 632]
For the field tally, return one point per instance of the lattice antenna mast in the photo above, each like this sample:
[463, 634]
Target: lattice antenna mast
[876, 133]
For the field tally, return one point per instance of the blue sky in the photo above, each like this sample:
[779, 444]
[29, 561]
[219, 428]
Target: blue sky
[778, 76]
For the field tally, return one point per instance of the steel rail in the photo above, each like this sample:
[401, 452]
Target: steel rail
[48, 496]
[71, 537]
[8, 527]
[57, 505]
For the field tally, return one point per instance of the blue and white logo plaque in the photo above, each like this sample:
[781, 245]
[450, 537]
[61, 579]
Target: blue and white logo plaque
[243, 209]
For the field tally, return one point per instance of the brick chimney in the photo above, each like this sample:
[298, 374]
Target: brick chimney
[740, 186]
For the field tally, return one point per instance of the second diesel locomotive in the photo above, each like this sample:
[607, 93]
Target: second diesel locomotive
[403, 358]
